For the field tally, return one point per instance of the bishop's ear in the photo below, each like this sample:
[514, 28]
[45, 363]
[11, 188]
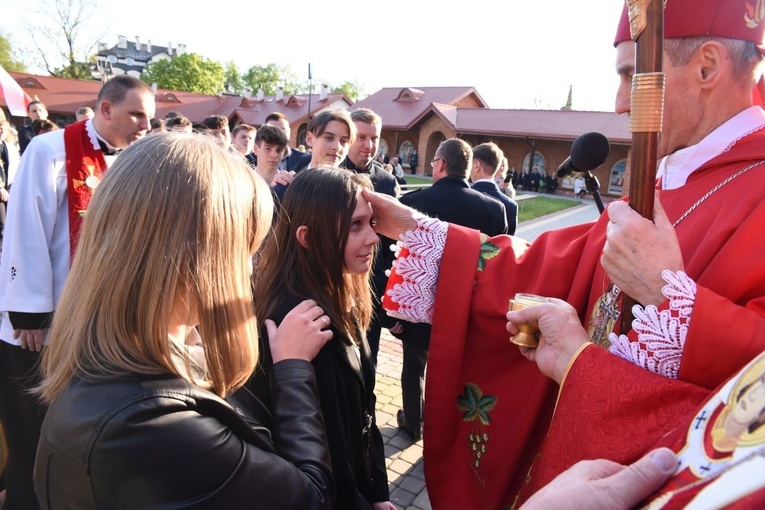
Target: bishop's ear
[301, 234]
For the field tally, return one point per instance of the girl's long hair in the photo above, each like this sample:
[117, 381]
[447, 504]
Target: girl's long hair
[324, 201]
[175, 216]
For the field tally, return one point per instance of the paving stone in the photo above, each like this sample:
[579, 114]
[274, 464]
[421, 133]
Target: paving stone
[401, 467]
[412, 484]
[402, 497]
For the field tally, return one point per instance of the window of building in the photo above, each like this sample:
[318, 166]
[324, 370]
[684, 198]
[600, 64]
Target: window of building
[539, 163]
[404, 151]
[616, 178]
[383, 147]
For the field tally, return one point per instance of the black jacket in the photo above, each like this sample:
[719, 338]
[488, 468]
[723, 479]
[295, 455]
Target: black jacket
[511, 207]
[155, 442]
[346, 385]
[451, 199]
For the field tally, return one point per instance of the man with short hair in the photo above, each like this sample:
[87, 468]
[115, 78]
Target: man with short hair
[291, 159]
[51, 193]
[269, 146]
[179, 124]
[35, 110]
[218, 126]
[84, 113]
[243, 140]
[449, 199]
[361, 160]
[487, 162]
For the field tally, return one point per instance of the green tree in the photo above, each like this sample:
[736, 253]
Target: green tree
[352, 89]
[188, 72]
[269, 77]
[59, 30]
[233, 79]
[7, 57]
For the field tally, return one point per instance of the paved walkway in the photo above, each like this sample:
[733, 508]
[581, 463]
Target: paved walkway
[403, 458]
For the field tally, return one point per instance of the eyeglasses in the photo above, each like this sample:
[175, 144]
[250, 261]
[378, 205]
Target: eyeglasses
[433, 163]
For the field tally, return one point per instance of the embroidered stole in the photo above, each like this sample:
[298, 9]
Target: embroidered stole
[84, 168]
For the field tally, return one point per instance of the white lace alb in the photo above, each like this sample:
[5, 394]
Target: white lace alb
[660, 334]
[416, 295]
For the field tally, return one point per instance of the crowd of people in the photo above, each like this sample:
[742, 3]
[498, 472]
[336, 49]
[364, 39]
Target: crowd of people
[216, 297]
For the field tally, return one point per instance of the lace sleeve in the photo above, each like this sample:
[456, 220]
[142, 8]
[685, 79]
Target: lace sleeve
[415, 271]
[661, 334]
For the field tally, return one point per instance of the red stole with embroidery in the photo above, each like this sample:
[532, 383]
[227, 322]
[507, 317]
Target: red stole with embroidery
[85, 167]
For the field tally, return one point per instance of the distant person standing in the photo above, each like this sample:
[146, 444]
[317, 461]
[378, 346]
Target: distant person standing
[414, 160]
[487, 161]
[36, 110]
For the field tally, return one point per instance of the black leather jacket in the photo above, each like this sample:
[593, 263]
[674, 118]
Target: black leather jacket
[155, 442]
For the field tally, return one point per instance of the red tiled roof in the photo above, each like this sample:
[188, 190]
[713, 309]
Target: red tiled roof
[64, 96]
[398, 113]
[548, 124]
[60, 95]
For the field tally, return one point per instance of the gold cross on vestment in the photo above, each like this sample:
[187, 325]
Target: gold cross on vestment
[604, 316]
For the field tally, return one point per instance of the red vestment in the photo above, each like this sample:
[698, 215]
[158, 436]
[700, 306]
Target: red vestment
[609, 408]
[479, 386]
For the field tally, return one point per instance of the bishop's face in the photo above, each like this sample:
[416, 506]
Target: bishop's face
[681, 126]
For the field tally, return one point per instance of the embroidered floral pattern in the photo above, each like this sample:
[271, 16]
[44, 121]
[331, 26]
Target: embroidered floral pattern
[416, 295]
[476, 407]
[488, 251]
[661, 334]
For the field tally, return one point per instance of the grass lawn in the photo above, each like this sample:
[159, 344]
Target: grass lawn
[415, 179]
[539, 206]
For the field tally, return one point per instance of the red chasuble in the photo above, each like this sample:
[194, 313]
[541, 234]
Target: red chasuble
[84, 169]
[613, 410]
[487, 408]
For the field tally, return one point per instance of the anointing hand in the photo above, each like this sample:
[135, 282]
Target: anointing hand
[638, 250]
[392, 218]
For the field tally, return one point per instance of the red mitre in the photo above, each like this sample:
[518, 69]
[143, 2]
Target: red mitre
[734, 19]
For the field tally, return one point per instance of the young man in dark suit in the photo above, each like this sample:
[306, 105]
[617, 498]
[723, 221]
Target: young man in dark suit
[449, 199]
[487, 159]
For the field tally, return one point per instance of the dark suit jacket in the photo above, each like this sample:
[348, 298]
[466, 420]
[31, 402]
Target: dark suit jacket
[511, 208]
[291, 161]
[451, 199]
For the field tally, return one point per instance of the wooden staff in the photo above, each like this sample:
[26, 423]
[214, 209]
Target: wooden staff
[646, 111]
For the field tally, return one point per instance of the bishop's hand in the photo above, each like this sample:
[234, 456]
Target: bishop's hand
[392, 218]
[637, 250]
[561, 334]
